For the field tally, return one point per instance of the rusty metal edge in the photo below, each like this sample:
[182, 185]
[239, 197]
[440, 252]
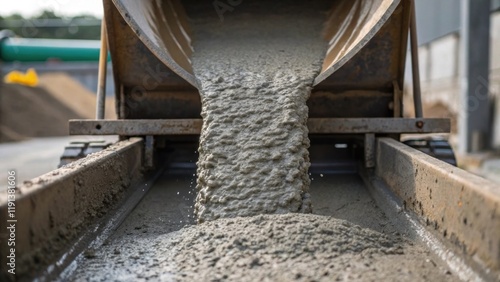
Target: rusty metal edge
[464, 209]
[377, 125]
[97, 234]
[391, 205]
[51, 210]
[316, 126]
[332, 69]
[160, 54]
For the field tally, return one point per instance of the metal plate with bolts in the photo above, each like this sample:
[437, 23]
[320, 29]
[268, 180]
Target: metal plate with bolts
[316, 126]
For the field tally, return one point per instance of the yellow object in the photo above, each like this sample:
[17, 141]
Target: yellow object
[30, 78]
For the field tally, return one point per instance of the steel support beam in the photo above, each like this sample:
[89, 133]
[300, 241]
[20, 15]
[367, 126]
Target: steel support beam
[378, 125]
[151, 127]
[369, 150]
[415, 67]
[475, 120]
[101, 77]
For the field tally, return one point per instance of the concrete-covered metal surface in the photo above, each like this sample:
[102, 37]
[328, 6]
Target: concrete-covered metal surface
[349, 27]
[463, 208]
[132, 252]
[163, 28]
[53, 209]
[152, 65]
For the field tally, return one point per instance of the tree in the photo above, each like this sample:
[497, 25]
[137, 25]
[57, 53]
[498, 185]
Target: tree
[48, 24]
[14, 16]
[47, 14]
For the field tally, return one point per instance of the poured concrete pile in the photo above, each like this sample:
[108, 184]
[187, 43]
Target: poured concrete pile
[255, 71]
[291, 247]
[255, 78]
[274, 247]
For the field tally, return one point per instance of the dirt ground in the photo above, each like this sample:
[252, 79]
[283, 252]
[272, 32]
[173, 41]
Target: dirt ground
[44, 111]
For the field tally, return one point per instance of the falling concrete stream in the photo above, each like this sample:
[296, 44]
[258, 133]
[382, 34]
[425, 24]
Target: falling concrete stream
[255, 78]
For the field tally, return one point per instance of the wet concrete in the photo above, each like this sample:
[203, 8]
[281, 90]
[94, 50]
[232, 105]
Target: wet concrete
[349, 239]
[255, 71]
[55, 209]
[344, 196]
[253, 167]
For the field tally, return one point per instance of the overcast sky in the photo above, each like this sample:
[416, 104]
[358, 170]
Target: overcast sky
[61, 7]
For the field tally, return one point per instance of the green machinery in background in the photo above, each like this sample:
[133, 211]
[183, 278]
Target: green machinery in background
[15, 49]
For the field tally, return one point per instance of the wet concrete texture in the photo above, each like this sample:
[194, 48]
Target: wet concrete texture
[255, 70]
[255, 75]
[153, 244]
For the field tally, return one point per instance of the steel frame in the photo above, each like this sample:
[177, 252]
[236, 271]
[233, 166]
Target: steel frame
[155, 127]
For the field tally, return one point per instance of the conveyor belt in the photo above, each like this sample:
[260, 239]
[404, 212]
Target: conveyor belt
[392, 198]
[442, 221]
[131, 252]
